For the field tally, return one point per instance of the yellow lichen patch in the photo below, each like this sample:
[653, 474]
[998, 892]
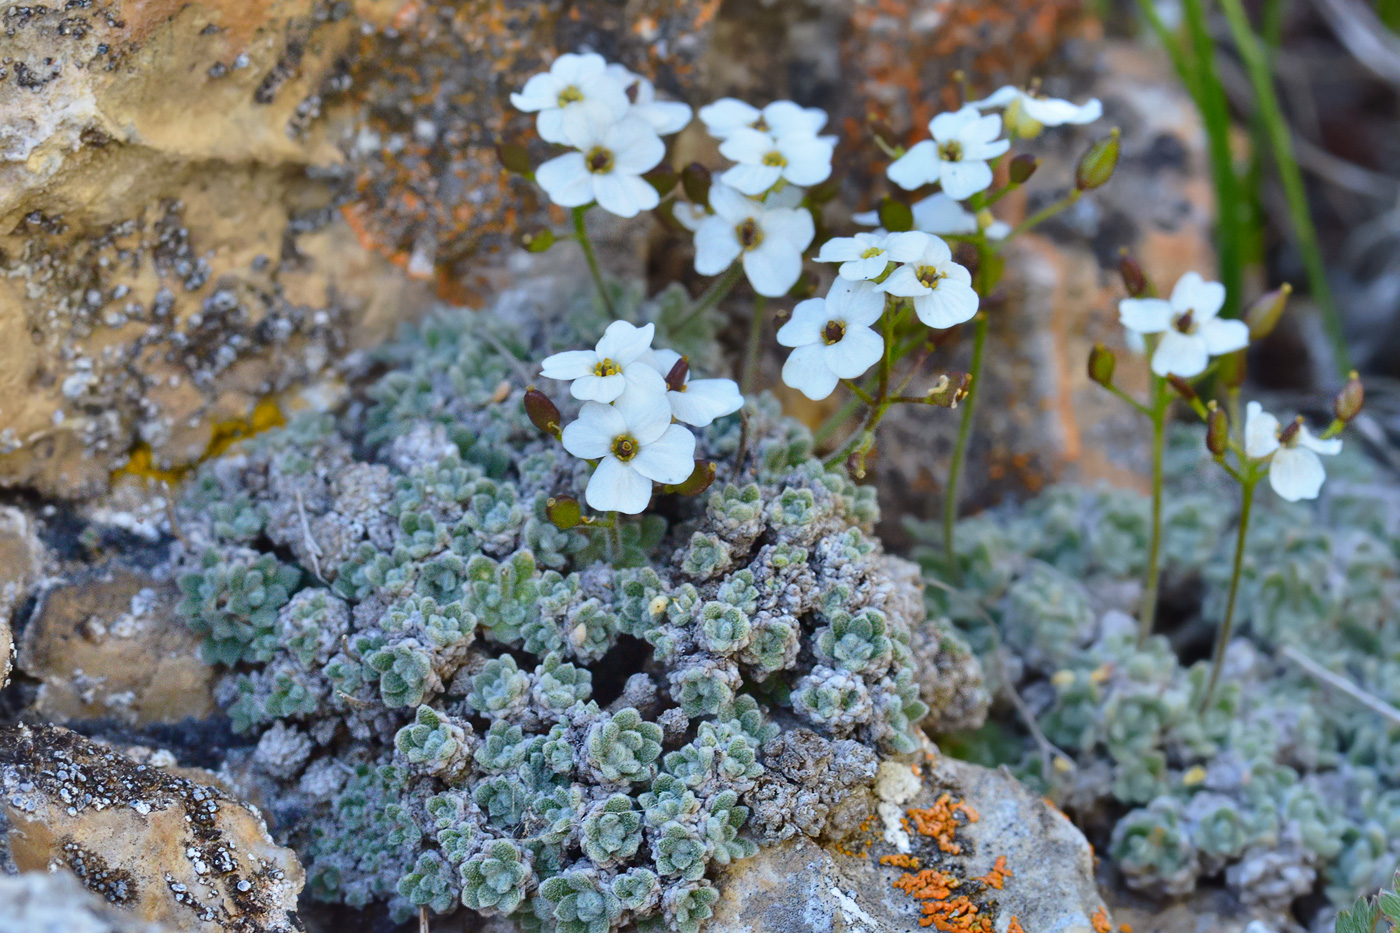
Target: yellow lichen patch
[901, 860]
[940, 823]
[996, 878]
[266, 414]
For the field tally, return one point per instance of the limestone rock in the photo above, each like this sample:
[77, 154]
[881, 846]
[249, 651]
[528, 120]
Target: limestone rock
[165, 848]
[994, 848]
[106, 644]
[39, 902]
[21, 564]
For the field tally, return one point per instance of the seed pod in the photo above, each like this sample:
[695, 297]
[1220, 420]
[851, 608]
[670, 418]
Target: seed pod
[1264, 314]
[1351, 399]
[1134, 279]
[695, 180]
[1096, 166]
[675, 379]
[1022, 168]
[1217, 431]
[563, 512]
[544, 414]
[539, 241]
[699, 480]
[1101, 365]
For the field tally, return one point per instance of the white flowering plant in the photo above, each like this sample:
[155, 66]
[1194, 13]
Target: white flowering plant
[896, 294]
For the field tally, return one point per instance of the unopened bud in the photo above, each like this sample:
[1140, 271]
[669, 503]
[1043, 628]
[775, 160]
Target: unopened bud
[1233, 368]
[895, 216]
[1134, 279]
[563, 512]
[1182, 387]
[1101, 365]
[695, 180]
[1351, 399]
[514, 158]
[544, 414]
[538, 242]
[662, 179]
[1217, 430]
[675, 379]
[1022, 168]
[826, 191]
[699, 480]
[1096, 166]
[1264, 314]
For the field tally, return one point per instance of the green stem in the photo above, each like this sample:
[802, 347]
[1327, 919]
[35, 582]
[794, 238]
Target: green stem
[1148, 614]
[754, 346]
[1044, 214]
[581, 231]
[833, 424]
[715, 293]
[955, 467]
[1222, 637]
[612, 533]
[1256, 61]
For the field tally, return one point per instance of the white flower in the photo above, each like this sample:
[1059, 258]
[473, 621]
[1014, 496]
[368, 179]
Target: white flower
[690, 216]
[768, 240]
[1191, 332]
[832, 338]
[781, 118]
[865, 255]
[956, 157]
[636, 444]
[1026, 114]
[664, 116]
[577, 96]
[697, 402]
[607, 169]
[941, 289]
[764, 158]
[942, 216]
[1295, 471]
[617, 363]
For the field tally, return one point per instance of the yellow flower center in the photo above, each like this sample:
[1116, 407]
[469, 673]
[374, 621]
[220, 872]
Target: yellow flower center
[570, 95]
[929, 276]
[871, 253]
[1186, 323]
[606, 368]
[599, 160]
[774, 159]
[625, 447]
[750, 236]
[950, 151]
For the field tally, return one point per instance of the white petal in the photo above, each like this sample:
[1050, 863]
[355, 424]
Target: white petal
[1330, 447]
[1052, 111]
[807, 372]
[571, 364]
[1296, 473]
[616, 487]
[917, 167]
[726, 115]
[1145, 315]
[669, 458]
[541, 92]
[730, 204]
[862, 270]
[773, 267]
[716, 246]
[805, 325]
[938, 213]
[566, 180]
[1222, 336]
[1195, 294]
[624, 342]
[635, 147]
[747, 146]
[624, 195]
[662, 360]
[550, 125]
[792, 226]
[843, 248]
[998, 98]
[751, 179]
[904, 283]
[665, 116]
[867, 218]
[962, 180]
[981, 131]
[690, 216]
[646, 413]
[948, 305]
[809, 162]
[985, 152]
[948, 126]
[1260, 431]
[593, 388]
[1180, 354]
[784, 117]
[704, 400]
[905, 246]
[858, 303]
[591, 435]
[857, 351]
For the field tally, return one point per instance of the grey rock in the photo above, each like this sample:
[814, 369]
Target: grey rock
[39, 902]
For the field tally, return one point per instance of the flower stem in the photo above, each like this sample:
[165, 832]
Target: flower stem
[1044, 214]
[1147, 615]
[754, 348]
[714, 294]
[1222, 636]
[612, 538]
[581, 231]
[955, 467]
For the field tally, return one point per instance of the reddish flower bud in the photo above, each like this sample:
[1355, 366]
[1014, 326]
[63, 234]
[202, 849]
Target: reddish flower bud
[695, 180]
[1217, 431]
[1182, 387]
[544, 414]
[563, 512]
[1351, 399]
[1022, 168]
[1101, 365]
[675, 379]
[1134, 279]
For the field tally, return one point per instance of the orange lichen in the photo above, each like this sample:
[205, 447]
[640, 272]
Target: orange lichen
[1015, 926]
[929, 884]
[1125, 928]
[900, 860]
[959, 915]
[996, 878]
[940, 823]
[1100, 921]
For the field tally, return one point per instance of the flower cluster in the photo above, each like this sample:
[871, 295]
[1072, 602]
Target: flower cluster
[636, 403]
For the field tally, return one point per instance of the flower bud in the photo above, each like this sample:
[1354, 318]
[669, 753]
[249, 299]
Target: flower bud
[1182, 387]
[544, 414]
[1217, 430]
[695, 180]
[1101, 365]
[1096, 166]
[895, 216]
[538, 242]
[1233, 367]
[662, 179]
[1351, 399]
[514, 158]
[1264, 314]
[1022, 168]
[563, 512]
[1134, 279]
[699, 480]
[675, 379]
[826, 191]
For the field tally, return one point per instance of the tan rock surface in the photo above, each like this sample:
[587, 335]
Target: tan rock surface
[21, 564]
[165, 848]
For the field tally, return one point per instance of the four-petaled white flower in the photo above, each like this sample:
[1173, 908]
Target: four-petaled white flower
[831, 338]
[664, 116]
[866, 255]
[1295, 471]
[615, 364]
[942, 216]
[636, 444]
[763, 158]
[576, 97]
[768, 241]
[963, 142]
[1026, 114]
[607, 168]
[1191, 331]
[780, 118]
[697, 402]
[941, 289]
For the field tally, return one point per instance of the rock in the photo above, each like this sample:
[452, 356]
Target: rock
[39, 902]
[106, 643]
[167, 849]
[21, 564]
[1003, 851]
